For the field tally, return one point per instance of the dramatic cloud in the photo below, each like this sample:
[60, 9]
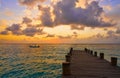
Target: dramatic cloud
[62, 12]
[66, 13]
[30, 2]
[15, 29]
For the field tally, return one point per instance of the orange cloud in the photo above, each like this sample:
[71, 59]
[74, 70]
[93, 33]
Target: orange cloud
[30, 3]
[7, 12]
[3, 24]
[107, 7]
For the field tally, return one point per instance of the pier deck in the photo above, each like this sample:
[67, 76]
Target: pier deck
[85, 65]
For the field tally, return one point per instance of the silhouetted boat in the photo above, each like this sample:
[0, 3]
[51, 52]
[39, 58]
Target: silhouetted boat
[34, 46]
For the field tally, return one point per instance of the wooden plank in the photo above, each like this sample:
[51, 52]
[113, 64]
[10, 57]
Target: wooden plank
[84, 65]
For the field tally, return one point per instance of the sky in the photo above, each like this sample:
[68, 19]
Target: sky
[60, 21]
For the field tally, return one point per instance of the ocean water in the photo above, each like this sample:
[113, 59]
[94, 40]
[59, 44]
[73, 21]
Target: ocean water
[21, 61]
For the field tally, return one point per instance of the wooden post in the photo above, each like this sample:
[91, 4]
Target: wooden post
[68, 58]
[113, 61]
[69, 54]
[66, 68]
[91, 52]
[71, 49]
[101, 55]
[95, 54]
[86, 49]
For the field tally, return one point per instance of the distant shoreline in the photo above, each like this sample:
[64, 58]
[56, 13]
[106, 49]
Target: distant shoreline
[67, 43]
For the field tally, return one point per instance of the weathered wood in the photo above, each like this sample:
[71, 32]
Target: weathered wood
[66, 68]
[83, 65]
[95, 54]
[68, 58]
[71, 50]
[113, 61]
[91, 52]
[101, 55]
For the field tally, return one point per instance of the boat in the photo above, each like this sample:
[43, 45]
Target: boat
[34, 46]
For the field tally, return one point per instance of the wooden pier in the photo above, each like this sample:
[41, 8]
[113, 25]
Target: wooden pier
[89, 64]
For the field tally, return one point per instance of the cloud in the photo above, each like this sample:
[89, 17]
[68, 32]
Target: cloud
[18, 29]
[46, 16]
[64, 37]
[49, 35]
[66, 13]
[112, 35]
[31, 31]
[4, 32]
[75, 34]
[26, 20]
[97, 36]
[77, 27]
[110, 32]
[15, 29]
[28, 31]
[118, 31]
[30, 3]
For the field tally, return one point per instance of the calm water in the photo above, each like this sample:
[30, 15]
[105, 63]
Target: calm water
[20, 61]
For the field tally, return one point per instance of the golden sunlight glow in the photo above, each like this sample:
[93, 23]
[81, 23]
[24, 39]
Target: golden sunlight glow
[36, 22]
[12, 37]
[81, 3]
[55, 1]
[52, 15]
[107, 7]
[3, 24]
[63, 30]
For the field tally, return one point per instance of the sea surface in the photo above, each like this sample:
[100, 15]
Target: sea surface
[21, 61]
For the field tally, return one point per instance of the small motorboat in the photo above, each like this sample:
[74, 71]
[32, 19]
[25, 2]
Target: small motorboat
[34, 46]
